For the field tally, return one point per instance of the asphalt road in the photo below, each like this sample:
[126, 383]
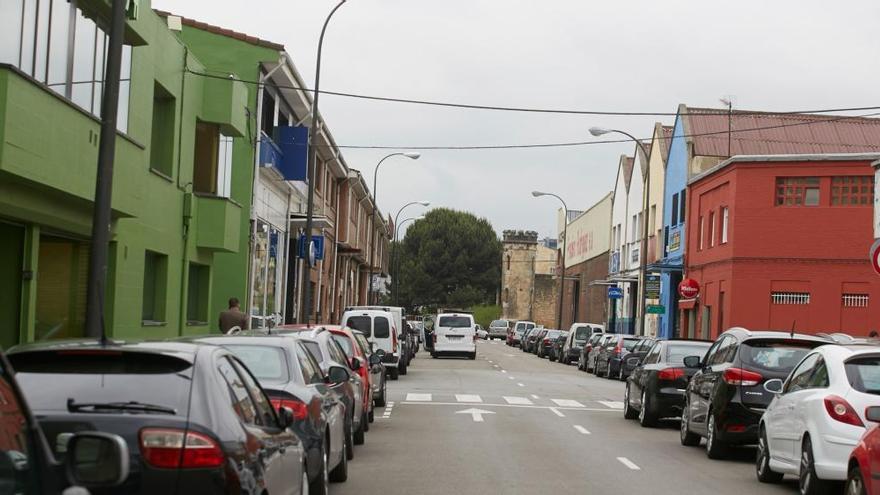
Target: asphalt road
[547, 428]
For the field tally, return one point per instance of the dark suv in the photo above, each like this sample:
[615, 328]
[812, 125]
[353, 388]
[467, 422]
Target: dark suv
[726, 397]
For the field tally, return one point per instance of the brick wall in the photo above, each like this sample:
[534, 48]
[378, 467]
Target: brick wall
[545, 303]
[592, 300]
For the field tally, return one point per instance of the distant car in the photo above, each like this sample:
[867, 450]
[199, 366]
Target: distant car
[864, 462]
[583, 357]
[555, 352]
[610, 358]
[524, 338]
[578, 334]
[818, 416]
[655, 389]
[534, 337]
[481, 334]
[593, 357]
[498, 329]
[455, 333]
[542, 345]
[378, 326]
[726, 397]
[635, 355]
[516, 334]
[358, 362]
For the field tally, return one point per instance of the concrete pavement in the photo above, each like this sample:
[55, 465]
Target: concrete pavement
[510, 423]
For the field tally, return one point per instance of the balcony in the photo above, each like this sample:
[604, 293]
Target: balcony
[218, 223]
[289, 155]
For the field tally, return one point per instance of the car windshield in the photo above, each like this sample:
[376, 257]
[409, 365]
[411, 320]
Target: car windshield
[455, 321]
[628, 344]
[498, 323]
[49, 379]
[677, 351]
[345, 343]
[552, 334]
[265, 362]
[362, 323]
[774, 355]
[864, 374]
[581, 333]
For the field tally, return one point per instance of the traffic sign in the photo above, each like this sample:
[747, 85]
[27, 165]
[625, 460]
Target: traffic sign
[689, 288]
[615, 292]
[875, 256]
[655, 309]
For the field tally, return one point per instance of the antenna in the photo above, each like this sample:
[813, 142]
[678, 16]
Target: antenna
[792, 328]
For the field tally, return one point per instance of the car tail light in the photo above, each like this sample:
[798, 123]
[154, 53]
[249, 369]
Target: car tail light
[736, 428]
[393, 342]
[176, 448]
[839, 409]
[434, 338]
[670, 374]
[618, 349]
[546, 341]
[299, 408]
[739, 376]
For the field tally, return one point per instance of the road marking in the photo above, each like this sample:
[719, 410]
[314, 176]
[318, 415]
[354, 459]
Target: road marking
[418, 397]
[476, 414]
[557, 412]
[495, 366]
[490, 361]
[509, 355]
[518, 400]
[611, 404]
[584, 409]
[535, 396]
[581, 429]
[567, 403]
[512, 377]
[504, 371]
[521, 384]
[628, 463]
[468, 398]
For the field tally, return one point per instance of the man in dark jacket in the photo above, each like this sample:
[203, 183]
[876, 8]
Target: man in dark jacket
[233, 317]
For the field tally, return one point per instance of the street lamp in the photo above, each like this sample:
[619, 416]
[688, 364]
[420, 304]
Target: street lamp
[538, 194]
[646, 181]
[310, 204]
[394, 285]
[411, 156]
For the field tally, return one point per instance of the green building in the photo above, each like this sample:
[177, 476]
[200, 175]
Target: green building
[182, 180]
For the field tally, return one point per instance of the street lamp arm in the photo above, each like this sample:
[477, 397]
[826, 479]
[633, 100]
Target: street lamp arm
[397, 216]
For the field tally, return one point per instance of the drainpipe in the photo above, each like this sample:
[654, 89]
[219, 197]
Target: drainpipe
[188, 200]
[333, 272]
[286, 258]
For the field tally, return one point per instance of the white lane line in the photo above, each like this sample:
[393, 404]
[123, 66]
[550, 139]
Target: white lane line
[495, 366]
[512, 377]
[611, 404]
[535, 396]
[504, 371]
[557, 412]
[628, 463]
[419, 397]
[490, 361]
[521, 384]
[582, 409]
[468, 398]
[567, 403]
[581, 429]
[518, 400]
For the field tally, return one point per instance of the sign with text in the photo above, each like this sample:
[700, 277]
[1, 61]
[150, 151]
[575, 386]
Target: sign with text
[588, 234]
[689, 288]
[615, 292]
[875, 256]
[674, 239]
[655, 309]
[652, 287]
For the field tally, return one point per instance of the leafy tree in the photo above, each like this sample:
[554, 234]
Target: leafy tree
[448, 259]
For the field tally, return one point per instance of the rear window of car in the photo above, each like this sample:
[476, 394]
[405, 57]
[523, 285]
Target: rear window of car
[498, 323]
[864, 374]
[345, 343]
[361, 323]
[581, 333]
[265, 362]
[676, 352]
[774, 355]
[552, 334]
[455, 321]
[49, 379]
[382, 328]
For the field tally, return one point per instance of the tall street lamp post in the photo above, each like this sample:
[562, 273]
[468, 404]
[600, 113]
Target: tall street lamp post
[394, 281]
[643, 265]
[565, 237]
[305, 311]
[394, 284]
[411, 156]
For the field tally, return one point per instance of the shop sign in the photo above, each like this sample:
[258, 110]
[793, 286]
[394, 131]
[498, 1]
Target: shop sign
[689, 288]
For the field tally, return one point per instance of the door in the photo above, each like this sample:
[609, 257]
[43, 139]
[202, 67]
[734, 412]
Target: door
[703, 383]
[332, 409]
[780, 423]
[11, 263]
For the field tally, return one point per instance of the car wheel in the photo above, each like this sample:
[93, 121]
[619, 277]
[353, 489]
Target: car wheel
[394, 373]
[320, 484]
[628, 411]
[715, 448]
[762, 461]
[687, 438]
[340, 472]
[808, 482]
[855, 485]
[608, 370]
[402, 369]
[372, 416]
[349, 442]
[359, 434]
[647, 417]
[620, 373]
[380, 401]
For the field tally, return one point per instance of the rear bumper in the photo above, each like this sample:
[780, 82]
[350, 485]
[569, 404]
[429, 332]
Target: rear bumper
[391, 360]
[669, 402]
[735, 415]
[463, 347]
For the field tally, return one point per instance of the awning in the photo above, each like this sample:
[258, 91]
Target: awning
[687, 303]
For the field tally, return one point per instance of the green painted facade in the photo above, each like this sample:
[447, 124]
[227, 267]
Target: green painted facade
[48, 161]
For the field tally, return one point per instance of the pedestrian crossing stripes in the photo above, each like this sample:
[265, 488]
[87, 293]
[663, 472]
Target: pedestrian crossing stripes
[520, 401]
[418, 397]
[611, 404]
[567, 403]
[468, 398]
[512, 400]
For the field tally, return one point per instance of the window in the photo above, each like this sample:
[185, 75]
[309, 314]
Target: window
[855, 300]
[162, 136]
[267, 120]
[700, 234]
[336, 352]
[266, 363]
[212, 163]
[346, 345]
[725, 219]
[635, 229]
[852, 191]
[238, 395]
[790, 297]
[653, 356]
[797, 191]
[711, 229]
[681, 213]
[310, 368]
[265, 411]
[863, 374]
[381, 327]
[800, 377]
[314, 350]
[653, 218]
[674, 210]
[154, 285]
[197, 294]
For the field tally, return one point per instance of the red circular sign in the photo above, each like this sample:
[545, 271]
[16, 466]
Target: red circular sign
[875, 256]
[689, 288]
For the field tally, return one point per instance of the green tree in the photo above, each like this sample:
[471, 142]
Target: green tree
[449, 259]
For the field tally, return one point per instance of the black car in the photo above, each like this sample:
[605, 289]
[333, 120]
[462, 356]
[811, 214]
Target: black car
[534, 338]
[655, 389]
[555, 352]
[544, 341]
[638, 351]
[524, 341]
[193, 417]
[293, 379]
[612, 354]
[726, 397]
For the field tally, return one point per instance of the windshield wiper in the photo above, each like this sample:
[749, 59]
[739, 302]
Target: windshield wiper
[118, 406]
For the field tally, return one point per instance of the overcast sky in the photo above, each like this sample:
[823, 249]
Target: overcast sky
[619, 55]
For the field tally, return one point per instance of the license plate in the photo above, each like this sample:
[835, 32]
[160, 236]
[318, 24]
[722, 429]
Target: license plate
[454, 337]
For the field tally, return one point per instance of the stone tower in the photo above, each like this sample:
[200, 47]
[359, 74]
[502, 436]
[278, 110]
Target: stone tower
[518, 274]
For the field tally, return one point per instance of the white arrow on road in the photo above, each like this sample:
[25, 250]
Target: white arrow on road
[476, 414]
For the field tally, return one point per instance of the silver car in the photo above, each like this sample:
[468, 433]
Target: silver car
[498, 329]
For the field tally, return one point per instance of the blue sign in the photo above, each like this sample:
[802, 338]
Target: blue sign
[317, 240]
[293, 142]
[615, 293]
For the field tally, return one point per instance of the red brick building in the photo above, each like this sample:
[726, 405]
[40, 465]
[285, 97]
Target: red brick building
[782, 240]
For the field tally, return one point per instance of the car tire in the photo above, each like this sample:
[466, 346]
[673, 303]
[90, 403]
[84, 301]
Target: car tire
[687, 438]
[855, 484]
[402, 369]
[372, 416]
[715, 448]
[762, 461]
[434, 355]
[394, 373]
[808, 482]
[608, 370]
[340, 472]
[349, 442]
[620, 376]
[628, 411]
[319, 486]
[380, 401]
[472, 356]
[647, 417]
[359, 436]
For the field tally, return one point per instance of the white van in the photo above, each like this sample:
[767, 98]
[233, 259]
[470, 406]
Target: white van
[397, 320]
[378, 327]
[455, 333]
[578, 334]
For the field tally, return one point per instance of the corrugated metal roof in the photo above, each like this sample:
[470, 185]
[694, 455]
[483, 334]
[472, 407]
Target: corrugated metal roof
[223, 31]
[765, 133]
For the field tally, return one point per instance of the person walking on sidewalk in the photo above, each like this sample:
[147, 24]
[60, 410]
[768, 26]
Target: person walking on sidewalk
[233, 317]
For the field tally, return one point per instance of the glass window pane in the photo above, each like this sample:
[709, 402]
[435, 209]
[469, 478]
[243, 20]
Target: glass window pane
[29, 25]
[811, 197]
[58, 46]
[10, 31]
[83, 61]
[124, 90]
[42, 42]
[98, 77]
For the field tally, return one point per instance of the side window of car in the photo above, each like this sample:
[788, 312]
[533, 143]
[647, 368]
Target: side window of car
[315, 351]
[362, 343]
[720, 354]
[653, 355]
[238, 395]
[311, 370]
[799, 378]
[819, 378]
[336, 353]
[710, 354]
[264, 408]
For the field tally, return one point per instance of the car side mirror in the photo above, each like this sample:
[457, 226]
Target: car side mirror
[338, 374]
[96, 459]
[355, 364]
[285, 417]
[375, 359]
[873, 414]
[692, 361]
[773, 386]
[634, 361]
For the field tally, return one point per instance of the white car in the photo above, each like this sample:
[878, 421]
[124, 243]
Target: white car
[455, 333]
[481, 334]
[818, 416]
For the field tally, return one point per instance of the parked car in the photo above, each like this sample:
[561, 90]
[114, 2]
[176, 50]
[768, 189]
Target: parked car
[578, 334]
[377, 369]
[726, 397]
[498, 329]
[481, 334]
[412, 342]
[655, 389]
[516, 335]
[378, 326]
[612, 354]
[864, 462]
[193, 417]
[524, 339]
[593, 357]
[584, 357]
[293, 379]
[817, 416]
[542, 345]
[635, 355]
[357, 361]
[534, 337]
[555, 352]
[396, 344]
[454, 333]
